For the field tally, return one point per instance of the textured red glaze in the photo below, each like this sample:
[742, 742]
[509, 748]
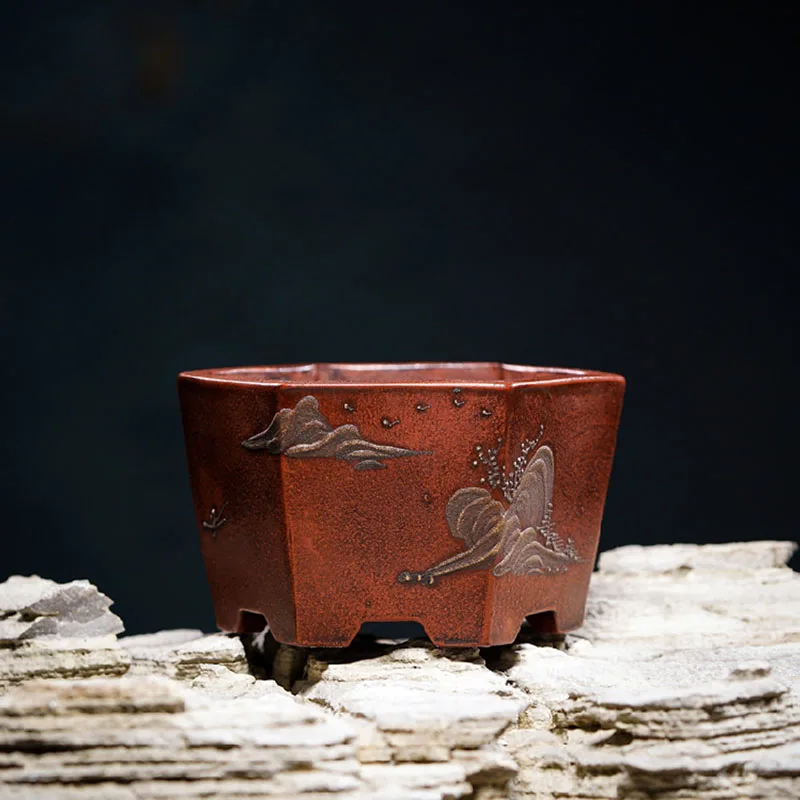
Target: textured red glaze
[316, 545]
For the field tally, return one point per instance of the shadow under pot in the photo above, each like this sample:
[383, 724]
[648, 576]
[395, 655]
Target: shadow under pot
[465, 497]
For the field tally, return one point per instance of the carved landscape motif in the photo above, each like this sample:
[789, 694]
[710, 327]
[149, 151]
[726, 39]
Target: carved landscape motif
[304, 432]
[518, 539]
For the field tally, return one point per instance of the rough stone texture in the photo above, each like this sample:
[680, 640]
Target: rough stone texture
[61, 658]
[52, 630]
[33, 607]
[184, 654]
[160, 738]
[683, 683]
[420, 704]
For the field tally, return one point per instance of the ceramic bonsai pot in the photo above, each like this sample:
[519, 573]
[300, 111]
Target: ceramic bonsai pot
[466, 497]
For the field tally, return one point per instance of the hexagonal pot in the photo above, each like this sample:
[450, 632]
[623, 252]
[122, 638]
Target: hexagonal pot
[466, 497]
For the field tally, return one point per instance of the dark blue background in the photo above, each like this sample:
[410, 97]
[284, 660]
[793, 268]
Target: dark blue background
[600, 185]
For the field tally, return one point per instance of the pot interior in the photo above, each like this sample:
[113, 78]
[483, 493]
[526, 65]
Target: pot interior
[425, 372]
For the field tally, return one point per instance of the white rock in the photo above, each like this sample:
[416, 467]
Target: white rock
[665, 558]
[683, 683]
[156, 730]
[184, 653]
[424, 701]
[33, 607]
[53, 657]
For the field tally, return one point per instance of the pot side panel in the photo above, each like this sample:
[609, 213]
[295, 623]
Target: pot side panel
[579, 423]
[352, 532]
[245, 557]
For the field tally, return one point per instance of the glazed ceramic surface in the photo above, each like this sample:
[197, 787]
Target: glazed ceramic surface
[466, 497]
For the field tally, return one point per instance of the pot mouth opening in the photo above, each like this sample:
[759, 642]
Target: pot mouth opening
[442, 372]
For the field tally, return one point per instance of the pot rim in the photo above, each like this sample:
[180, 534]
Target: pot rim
[314, 375]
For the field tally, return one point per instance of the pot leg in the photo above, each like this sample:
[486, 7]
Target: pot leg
[466, 633]
[326, 631]
[549, 623]
[563, 619]
[246, 620]
[569, 618]
[230, 619]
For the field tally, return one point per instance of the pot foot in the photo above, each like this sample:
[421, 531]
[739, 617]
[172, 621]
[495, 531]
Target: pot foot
[447, 638]
[325, 632]
[555, 622]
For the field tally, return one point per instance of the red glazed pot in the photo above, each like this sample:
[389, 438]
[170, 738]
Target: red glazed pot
[466, 497]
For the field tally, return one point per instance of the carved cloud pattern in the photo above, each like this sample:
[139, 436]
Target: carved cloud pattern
[303, 432]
